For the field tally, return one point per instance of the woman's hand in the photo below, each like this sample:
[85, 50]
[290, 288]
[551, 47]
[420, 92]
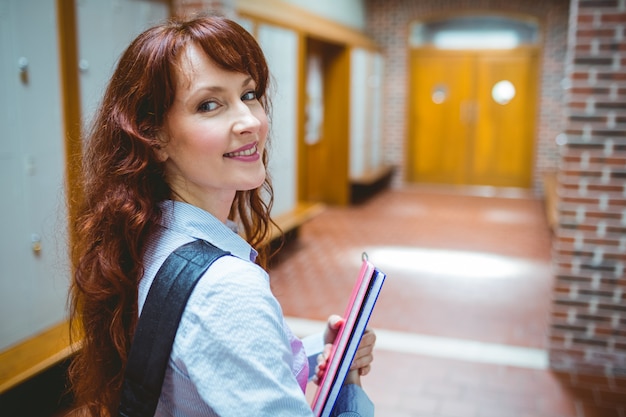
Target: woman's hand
[361, 364]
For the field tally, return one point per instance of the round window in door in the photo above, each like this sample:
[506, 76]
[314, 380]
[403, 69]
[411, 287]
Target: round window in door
[503, 92]
[439, 94]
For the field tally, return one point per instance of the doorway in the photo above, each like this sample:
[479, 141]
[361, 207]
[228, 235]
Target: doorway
[323, 151]
[472, 114]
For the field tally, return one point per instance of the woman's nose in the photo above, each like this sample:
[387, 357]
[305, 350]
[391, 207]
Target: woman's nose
[245, 120]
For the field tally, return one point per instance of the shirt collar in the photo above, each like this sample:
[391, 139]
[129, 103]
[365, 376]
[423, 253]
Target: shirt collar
[200, 224]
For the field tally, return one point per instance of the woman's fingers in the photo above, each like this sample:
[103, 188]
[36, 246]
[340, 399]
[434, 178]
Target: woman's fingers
[334, 323]
[363, 357]
[364, 354]
[362, 362]
[366, 346]
[369, 337]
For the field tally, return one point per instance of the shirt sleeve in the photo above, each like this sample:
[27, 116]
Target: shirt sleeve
[233, 347]
[353, 402]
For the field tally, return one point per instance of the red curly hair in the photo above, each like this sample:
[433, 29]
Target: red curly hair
[123, 181]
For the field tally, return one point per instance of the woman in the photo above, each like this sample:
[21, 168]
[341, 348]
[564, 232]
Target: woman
[177, 152]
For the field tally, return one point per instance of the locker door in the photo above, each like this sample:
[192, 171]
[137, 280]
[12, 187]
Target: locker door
[105, 28]
[33, 266]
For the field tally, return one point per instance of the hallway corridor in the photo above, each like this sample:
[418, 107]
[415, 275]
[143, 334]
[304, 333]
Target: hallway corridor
[462, 318]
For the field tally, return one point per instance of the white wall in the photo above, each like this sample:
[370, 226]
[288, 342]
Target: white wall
[366, 73]
[347, 12]
[281, 51]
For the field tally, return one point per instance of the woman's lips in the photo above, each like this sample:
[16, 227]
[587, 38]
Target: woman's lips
[244, 152]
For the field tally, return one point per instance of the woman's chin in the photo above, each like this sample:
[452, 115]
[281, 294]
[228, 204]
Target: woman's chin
[252, 185]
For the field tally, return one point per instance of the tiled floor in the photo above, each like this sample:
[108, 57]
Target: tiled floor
[462, 318]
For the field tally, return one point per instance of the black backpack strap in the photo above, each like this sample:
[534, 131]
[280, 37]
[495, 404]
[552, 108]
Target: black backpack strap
[152, 343]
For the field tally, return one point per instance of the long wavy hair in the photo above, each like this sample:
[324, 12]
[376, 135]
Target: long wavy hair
[123, 182]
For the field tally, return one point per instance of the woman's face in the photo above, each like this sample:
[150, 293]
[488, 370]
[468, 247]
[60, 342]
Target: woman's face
[214, 134]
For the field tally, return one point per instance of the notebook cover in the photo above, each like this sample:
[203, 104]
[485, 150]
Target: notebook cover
[348, 337]
[366, 311]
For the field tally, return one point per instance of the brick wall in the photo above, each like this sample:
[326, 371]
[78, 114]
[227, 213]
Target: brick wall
[388, 24]
[588, 325]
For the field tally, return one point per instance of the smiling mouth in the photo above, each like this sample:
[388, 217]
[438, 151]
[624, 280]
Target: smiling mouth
[246, 152]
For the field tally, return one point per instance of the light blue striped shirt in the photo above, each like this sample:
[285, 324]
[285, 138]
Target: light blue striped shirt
[233, 354]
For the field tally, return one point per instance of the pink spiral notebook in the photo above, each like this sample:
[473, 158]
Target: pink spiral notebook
[362, 300]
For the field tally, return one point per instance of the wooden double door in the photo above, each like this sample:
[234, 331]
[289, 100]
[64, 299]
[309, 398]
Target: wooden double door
[472, 117]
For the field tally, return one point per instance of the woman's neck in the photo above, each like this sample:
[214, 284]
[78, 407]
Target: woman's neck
[218, 205]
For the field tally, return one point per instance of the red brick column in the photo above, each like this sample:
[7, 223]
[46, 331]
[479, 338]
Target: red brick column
[588, 324]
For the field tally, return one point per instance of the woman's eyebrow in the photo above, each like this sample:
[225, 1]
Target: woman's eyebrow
[219, 88]
[247, 81]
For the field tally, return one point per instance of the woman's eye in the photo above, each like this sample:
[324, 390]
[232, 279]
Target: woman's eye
[250, 95]
[208, 106]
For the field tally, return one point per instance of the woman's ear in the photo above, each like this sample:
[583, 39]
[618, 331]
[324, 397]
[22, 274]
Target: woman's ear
[160, 147]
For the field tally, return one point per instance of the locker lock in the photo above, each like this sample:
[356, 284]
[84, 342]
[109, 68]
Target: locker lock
[35, 241]
[22, 65]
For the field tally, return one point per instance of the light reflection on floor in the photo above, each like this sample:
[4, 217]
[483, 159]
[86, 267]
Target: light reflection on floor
[447, 263]
[442, 347]
[508, 217]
